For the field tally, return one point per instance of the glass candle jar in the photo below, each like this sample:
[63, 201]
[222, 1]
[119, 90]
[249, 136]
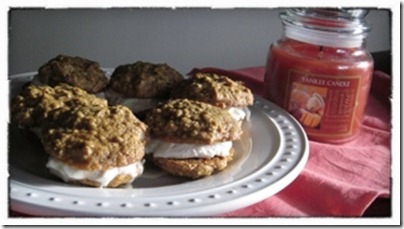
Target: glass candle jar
[320, 71]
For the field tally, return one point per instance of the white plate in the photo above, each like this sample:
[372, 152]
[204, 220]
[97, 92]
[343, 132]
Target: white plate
[271, 154]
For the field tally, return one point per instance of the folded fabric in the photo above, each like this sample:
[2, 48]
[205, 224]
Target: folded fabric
[338, 180]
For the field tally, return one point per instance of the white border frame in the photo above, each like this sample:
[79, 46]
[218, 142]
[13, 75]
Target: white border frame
[394, 6]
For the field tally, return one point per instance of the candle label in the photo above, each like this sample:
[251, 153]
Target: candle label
[325, 105]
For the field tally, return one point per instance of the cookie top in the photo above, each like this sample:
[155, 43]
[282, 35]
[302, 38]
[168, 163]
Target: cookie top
[214, 89]
[33, 104]
[95, 137]
[194, 122]
[76, 71]
[145, 80]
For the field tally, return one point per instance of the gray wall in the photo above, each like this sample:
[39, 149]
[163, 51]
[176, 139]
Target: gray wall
[182, 38]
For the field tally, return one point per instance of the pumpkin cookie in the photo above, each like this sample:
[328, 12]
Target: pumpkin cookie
[95, 145]
[191, 138]
[218, 90]
[33, 104]
[142, 85]
[75, 71]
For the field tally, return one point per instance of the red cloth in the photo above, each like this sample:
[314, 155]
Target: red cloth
[338, 180]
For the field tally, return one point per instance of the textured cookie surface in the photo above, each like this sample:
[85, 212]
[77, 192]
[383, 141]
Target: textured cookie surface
[189, 121]
[75, 71]
[214, 89]
[33, 104]
[145, 80]
[95, 137]
[193, 167]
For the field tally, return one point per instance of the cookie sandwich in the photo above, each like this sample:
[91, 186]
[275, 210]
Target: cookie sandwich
[76, 71]
[100, 146]
[217, 90]
[191, 138]
[34, 103]
[142, 85]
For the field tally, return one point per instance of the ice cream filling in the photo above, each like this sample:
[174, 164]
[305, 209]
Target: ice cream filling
[240, 113]
[164, 149]
[68, 173]
[135, 104]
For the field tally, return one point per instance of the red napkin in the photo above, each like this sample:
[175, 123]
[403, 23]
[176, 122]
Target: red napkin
[338, 180]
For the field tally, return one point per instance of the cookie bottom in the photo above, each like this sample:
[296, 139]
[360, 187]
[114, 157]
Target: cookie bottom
[194, 167]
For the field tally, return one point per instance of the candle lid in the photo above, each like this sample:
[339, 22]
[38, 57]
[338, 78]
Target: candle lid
[326, 26]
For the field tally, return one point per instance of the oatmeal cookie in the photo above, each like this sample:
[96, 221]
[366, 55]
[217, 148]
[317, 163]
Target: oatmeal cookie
[191, 138]
[193, 167]
[33, 104]
[189, 121]
[101, 146]
[144, 80]
[95, 137]
[218, 90]
[76, 71]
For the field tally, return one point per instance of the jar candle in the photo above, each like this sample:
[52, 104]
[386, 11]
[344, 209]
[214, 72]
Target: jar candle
[320, 71]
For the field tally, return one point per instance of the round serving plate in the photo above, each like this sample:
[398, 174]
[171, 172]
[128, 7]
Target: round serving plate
[271, 154]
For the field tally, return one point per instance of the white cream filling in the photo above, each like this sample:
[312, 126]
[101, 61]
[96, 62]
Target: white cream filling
[135, 104]
[164, 149]
[68, 173]
[240, 113]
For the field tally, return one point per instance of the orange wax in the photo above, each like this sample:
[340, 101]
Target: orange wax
[324, 88]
